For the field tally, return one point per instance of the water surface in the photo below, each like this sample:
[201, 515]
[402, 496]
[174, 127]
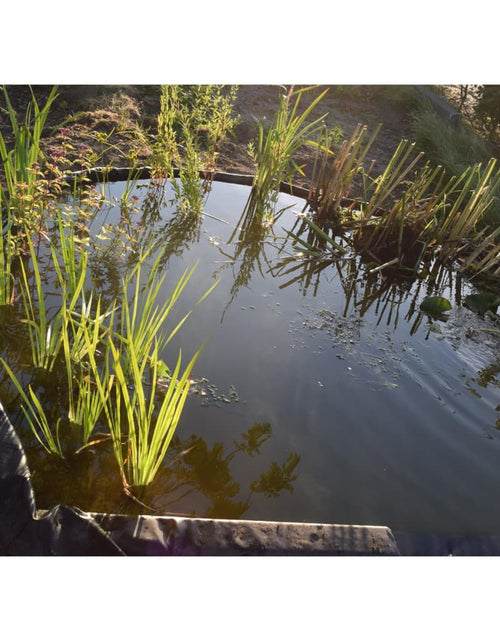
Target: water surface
[316, 399]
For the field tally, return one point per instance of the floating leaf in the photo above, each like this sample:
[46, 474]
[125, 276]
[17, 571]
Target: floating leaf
[435, 306]
[482, 303]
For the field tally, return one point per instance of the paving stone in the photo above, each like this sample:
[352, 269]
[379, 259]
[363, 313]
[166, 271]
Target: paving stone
[176, 536]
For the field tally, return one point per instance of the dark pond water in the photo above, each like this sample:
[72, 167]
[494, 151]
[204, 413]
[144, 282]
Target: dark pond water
[322, 395]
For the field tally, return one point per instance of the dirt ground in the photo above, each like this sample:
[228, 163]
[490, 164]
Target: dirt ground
[123, 113]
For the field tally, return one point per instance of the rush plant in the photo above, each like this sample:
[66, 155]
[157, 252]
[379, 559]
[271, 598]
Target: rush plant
[273, 151]
[45, 329]
[38, 420]
[7, 284]
[336, 170]
[25, 154]
[147, 420]
[140, 419]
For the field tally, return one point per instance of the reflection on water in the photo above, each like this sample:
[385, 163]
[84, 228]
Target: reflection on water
[197, 479]
[380, 414]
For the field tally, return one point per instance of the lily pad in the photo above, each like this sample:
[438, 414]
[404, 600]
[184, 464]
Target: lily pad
[436, 306]
[482, 303]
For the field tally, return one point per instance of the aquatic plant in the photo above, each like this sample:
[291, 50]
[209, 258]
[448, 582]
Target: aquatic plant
[149, 423]
[46, 330]
[410, 210]
[273, 151]
[140, 419]
[142, 317]
[472, 196]
[7, 285]
[320, 244]
[18, 185]
[38, 420]
[335, 171]
[192, 123]
[83, 334]
[18, 163]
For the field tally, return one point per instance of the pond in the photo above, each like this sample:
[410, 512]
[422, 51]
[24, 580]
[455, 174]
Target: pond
[323, 393]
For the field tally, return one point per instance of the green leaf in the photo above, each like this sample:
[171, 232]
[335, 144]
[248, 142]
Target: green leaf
[163, 370]
[435, 306]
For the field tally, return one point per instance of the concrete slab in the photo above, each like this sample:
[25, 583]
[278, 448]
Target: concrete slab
[176, 536]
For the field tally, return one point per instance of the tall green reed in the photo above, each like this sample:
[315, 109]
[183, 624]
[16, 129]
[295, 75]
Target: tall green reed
[273, 151]
[45, 329]
[36, 416]
[7, 255]
[150, 421]
[26, 152]
[140, 420]
[18, 185]
[83, 335]
[335, 171]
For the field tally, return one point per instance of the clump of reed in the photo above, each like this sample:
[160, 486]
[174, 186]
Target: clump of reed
[410, 211]
[106, 361]
[273, 151]
[336, 170]
[140, 418]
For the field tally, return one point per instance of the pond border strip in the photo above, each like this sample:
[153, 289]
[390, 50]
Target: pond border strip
[186, 536]
[115, 174]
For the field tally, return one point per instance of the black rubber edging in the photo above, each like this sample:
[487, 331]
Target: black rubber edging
[115, 174]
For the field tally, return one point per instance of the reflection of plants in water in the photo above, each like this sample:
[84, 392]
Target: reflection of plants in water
[192, 470]
[365, 288]
[179, 232]
[198, 468]
[487, 376]
[14, 337]
[249, 239]
[278, 478]
[153, 231]
[249, 255]
[119, 233]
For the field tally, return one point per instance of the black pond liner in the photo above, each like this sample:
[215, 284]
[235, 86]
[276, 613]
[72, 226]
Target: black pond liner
[68, 531]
